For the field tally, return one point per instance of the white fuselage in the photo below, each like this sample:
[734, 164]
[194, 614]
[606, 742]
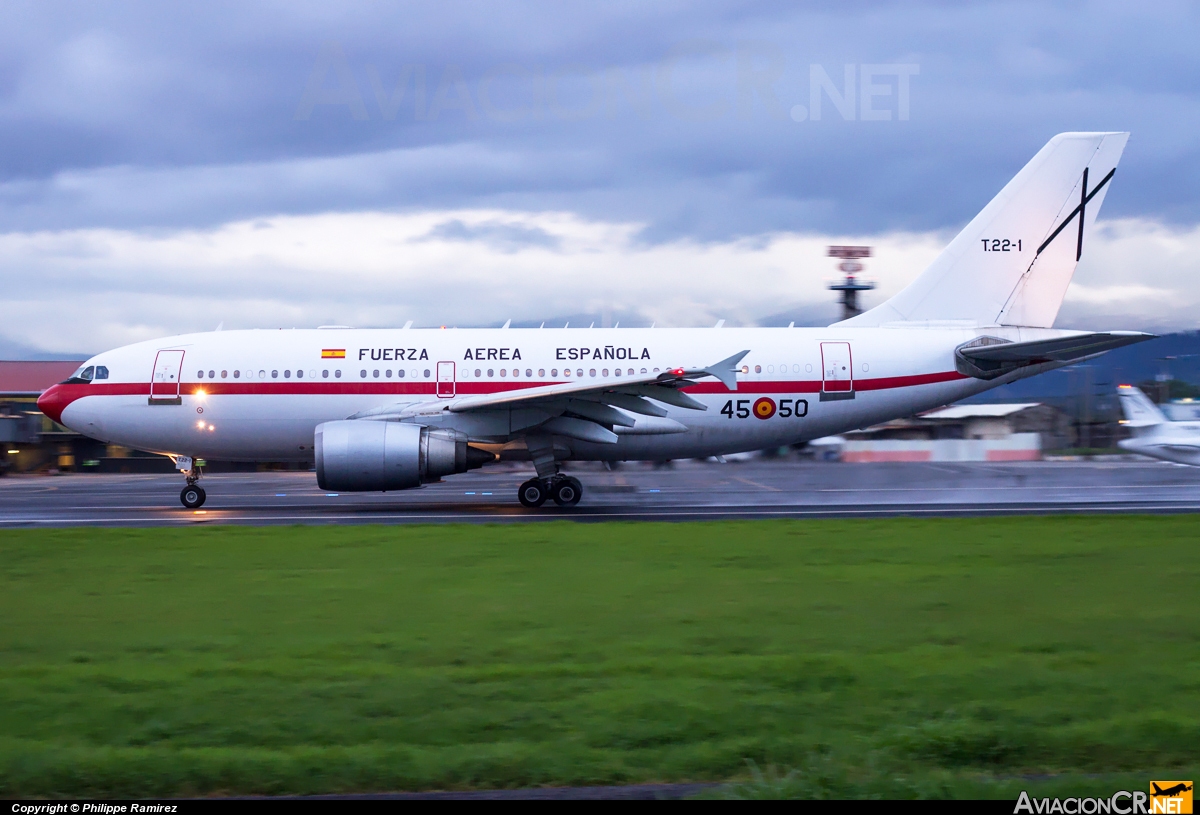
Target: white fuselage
[1171, 441]
[258, 395]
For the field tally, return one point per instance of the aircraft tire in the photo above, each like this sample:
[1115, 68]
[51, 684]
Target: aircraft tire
[533, 493]
[192, 496]
[567, 492]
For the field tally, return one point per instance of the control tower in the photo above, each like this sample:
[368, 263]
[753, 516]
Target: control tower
[851, 286]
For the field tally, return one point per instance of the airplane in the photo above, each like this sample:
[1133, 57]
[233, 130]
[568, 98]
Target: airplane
[393, 409]
[1154, 434]
[1172, 791]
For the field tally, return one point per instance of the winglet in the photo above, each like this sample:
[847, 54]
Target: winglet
[726, 370]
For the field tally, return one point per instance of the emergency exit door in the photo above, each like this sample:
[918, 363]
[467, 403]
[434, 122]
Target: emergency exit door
[445, 379]
[837, 374]
[164, 382]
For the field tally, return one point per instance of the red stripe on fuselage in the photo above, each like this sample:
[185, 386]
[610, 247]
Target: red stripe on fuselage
[57, 397]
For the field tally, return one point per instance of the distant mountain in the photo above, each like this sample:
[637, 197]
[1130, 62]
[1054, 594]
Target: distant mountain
[13, 350]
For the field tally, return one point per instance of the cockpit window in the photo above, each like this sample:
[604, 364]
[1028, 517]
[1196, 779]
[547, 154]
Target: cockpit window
[85, 375]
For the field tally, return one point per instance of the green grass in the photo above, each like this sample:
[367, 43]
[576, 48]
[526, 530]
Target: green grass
[897, 658]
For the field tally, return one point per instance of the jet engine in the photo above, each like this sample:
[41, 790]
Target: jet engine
[363, 456]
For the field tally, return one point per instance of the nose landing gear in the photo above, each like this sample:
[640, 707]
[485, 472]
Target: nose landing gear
[565, 490]
[193, 495]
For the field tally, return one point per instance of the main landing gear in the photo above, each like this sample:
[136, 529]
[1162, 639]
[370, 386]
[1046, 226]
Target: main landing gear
[193, 495]
[565, 490]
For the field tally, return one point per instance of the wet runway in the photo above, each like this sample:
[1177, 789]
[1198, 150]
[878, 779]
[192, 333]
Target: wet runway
[684, 491]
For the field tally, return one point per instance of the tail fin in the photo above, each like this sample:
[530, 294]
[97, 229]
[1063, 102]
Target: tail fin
[1012, 264]
[1139, 410]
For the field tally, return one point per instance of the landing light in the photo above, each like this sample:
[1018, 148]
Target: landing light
[13, 452]
[200, 424]
[210, 427]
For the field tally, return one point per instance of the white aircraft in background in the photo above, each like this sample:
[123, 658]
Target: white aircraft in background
[393, 409]
[1154, 434]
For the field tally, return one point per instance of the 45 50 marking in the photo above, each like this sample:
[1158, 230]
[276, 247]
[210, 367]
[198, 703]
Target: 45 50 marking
[764, 408]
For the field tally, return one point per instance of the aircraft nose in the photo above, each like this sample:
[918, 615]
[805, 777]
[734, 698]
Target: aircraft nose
[53, 401]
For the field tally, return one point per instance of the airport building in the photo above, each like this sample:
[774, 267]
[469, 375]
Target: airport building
[1005, 432]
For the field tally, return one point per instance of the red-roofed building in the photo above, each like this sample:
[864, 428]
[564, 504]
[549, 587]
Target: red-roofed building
[29, 440]
[29, 379]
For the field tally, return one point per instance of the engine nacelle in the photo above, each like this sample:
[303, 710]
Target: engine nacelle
[367, 456]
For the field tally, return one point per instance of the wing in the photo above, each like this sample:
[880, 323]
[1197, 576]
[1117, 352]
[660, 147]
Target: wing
[991, 357]
[589, 411]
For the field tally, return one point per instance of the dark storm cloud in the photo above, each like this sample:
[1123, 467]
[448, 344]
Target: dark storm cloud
[146, 115]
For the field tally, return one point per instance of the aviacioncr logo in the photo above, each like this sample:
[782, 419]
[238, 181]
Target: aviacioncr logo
[764, 408]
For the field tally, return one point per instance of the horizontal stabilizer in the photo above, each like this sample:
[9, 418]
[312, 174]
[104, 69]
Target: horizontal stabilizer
[991, 357]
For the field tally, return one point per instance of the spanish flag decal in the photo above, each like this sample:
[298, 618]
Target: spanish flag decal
[333, 353]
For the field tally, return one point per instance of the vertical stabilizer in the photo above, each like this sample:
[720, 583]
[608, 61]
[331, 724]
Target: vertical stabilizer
[1139, 410]
[1012, 263]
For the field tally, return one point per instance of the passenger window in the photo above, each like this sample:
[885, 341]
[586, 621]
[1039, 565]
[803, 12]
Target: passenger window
[337, 374]
[212, 374]
[224, 374]
[388, 373]
[274, 374]
[477, 372]
[491, 372]
[363, 373]
[287, 374]
[541, 372]
[554, 372]
[199, 374]
[400, 373]
[299, 373]
[237, 374]
[426, 373]
[325, 374]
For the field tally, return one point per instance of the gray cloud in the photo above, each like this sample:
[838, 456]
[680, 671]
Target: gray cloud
[126, 125]
[97, 98]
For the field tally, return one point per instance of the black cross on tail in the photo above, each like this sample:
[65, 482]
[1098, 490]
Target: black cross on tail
[1080, 210]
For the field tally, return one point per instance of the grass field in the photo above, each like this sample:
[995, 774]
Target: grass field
[897, 658]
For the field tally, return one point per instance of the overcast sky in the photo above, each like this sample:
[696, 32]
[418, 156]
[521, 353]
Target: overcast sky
[168, 167]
